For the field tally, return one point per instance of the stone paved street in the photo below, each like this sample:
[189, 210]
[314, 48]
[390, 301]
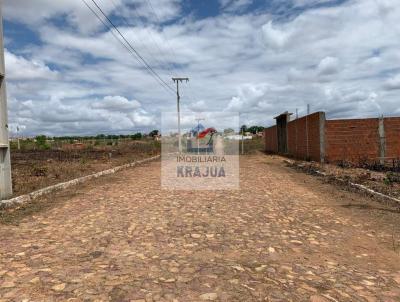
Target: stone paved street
[284, 236]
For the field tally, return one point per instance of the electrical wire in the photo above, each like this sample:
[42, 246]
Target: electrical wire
[170, 49]
[125, 21]
[168, 46]
[128, 45]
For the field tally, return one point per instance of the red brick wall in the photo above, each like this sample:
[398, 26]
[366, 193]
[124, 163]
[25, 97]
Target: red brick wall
[349, 140]
[352, 140]
[392, 135]
[270, 137]
[297, 137]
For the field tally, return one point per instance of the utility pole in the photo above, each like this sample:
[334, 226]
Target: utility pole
[19, 145]
[178, 98]
[242, 130]
[307, 142]
[5, 162]
[198, 129]
[297, 117]
[243, 141]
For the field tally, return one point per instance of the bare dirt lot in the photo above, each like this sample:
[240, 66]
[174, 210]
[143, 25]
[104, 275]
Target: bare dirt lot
[36, 169]
[284, 236]
[386, 182]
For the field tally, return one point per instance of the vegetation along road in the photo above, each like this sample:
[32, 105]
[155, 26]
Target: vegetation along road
[284, 236]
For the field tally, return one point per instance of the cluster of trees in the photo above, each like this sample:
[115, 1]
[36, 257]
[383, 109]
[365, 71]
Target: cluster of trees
[41, 141]
[252, 129]
[136, 136]
[154, 133]
[244, 129]
[98, 137]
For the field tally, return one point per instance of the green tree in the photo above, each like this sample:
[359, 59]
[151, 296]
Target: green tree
[255, 129]
[41, 142]
[154, 133]
[137, 136]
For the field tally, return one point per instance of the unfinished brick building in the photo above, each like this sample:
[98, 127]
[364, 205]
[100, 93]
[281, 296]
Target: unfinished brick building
[312, 137]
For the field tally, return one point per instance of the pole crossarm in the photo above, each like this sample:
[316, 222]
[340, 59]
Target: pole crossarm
[180, 79]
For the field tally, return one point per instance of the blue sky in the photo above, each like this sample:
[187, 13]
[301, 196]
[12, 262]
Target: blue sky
[67, 74]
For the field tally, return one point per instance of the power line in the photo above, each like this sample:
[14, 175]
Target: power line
[106, 25]
[128, 45]
[125, 21]
[168, 45]
[154, 40]
[172, 53]
[112, 32]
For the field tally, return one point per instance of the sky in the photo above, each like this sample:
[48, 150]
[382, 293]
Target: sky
[68, 75]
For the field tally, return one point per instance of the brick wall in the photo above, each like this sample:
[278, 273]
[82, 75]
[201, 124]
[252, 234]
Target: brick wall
[271, 143]
[392, 136]
[297, 137]
[348, 140]
[352, 140]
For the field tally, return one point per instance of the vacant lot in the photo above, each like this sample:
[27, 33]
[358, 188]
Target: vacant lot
[35, 169]
[386, 182]
[284, 236]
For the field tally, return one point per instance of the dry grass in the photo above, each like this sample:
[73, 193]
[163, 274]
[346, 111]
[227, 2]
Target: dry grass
[36, 169]
[252, 146]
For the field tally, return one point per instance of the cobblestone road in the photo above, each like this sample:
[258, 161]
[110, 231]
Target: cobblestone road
[282, 237]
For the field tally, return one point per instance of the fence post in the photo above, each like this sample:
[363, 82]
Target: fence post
[382, 141]
[307, 151]
[322, 137]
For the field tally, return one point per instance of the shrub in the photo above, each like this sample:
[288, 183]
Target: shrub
[41, 142]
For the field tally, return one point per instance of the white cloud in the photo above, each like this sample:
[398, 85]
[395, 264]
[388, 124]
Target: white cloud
[116, 103]
[256, 97]
[339, 58]
[328, 65]
[393, 83]
[234, 5]
[19, 68]
[77, 14]
[275, 37]
[61, 117]
[142, 118]
[38, 12]
[198, 106]
[310, 2]
[153, 11]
